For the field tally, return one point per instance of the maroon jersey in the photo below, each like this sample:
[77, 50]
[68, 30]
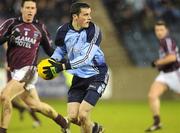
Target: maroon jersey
[24, 51]
[168, 46]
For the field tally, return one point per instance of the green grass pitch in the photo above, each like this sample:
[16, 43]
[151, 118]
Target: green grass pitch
[117, 117]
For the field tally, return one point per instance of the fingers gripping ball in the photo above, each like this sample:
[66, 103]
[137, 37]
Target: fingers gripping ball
[46, 70]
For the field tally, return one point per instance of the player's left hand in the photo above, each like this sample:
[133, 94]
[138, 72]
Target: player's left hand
[13, 35]
[153, 63]
[52, 70]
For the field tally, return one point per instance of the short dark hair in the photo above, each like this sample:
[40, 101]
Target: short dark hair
[23, 1]
[161, 22]
[76, 8]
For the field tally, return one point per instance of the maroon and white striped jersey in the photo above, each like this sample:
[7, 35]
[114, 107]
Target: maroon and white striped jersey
[168, 46]
[24, 51]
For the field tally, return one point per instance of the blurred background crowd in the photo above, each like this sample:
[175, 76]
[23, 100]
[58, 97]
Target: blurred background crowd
[133, 19]
[52, 12]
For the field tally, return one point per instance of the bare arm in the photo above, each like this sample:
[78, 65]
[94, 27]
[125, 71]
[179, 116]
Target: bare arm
[166, 60]
[5, 46]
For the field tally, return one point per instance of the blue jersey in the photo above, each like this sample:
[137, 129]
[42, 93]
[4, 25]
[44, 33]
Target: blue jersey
[82, 48]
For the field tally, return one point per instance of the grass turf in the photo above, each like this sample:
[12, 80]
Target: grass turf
[117, 117]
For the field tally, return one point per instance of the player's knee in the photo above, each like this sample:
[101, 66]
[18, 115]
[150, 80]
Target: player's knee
[5, 99]
[152, 96]
[6, 103]
[32, 109]
[73, 117]
[34, 106]
[83, 116]
[73, 114]
[31, 106]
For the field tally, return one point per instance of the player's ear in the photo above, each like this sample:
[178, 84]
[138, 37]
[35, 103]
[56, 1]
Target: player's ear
[21, 10]
[36, 11]
[74, 16]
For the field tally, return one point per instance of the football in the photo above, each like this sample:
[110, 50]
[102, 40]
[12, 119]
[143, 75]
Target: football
[45, 63]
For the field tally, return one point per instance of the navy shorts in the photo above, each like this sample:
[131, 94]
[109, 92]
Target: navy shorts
[88, 89]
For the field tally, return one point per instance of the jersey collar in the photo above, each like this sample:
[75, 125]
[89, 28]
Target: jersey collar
[34, 20]
[72, 28]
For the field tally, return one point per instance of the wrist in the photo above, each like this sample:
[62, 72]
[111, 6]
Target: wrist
[63, 66]
[153, 64]
[66, 66]
[3, 39]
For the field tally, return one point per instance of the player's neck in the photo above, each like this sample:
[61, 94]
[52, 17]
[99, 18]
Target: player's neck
[76, 26]
[26, 20]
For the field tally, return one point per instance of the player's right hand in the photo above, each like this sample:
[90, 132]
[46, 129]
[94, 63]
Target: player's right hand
[153, 64]
[52, 70]
[13, 36]
[58, 66]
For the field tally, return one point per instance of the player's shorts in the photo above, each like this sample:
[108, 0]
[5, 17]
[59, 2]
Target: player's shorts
[88, 89]
[19, 74]
[171, 79]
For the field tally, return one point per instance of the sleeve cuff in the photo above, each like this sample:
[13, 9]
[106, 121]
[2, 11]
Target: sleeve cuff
[67, 66]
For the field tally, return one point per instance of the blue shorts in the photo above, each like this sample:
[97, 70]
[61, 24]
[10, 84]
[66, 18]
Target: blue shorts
[88, 89]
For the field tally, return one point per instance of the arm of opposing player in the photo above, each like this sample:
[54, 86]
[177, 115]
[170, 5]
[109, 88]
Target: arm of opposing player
[169, 46]
[46, 41]
[4, 33]
[166, 60]
[47, 47]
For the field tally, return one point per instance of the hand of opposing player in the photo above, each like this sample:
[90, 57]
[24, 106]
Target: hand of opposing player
[13, 35]
[153, 63]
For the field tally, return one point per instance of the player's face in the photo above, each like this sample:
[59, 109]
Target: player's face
[161, 31]
[28, 11]
[84, 18]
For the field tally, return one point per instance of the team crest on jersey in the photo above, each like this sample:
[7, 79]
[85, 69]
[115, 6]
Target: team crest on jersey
[36, 34]
[17, 29]
[26, 31]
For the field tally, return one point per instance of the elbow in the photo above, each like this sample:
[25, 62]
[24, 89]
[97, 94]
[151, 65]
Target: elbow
[50, 53]
[88, 60]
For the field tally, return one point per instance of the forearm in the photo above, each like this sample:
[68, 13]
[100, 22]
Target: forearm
[58, 54]
[47, 48]
[3, 40]
[5, 46]
[66, 66]
[10, 37]
[166, 60]
[49, 51]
